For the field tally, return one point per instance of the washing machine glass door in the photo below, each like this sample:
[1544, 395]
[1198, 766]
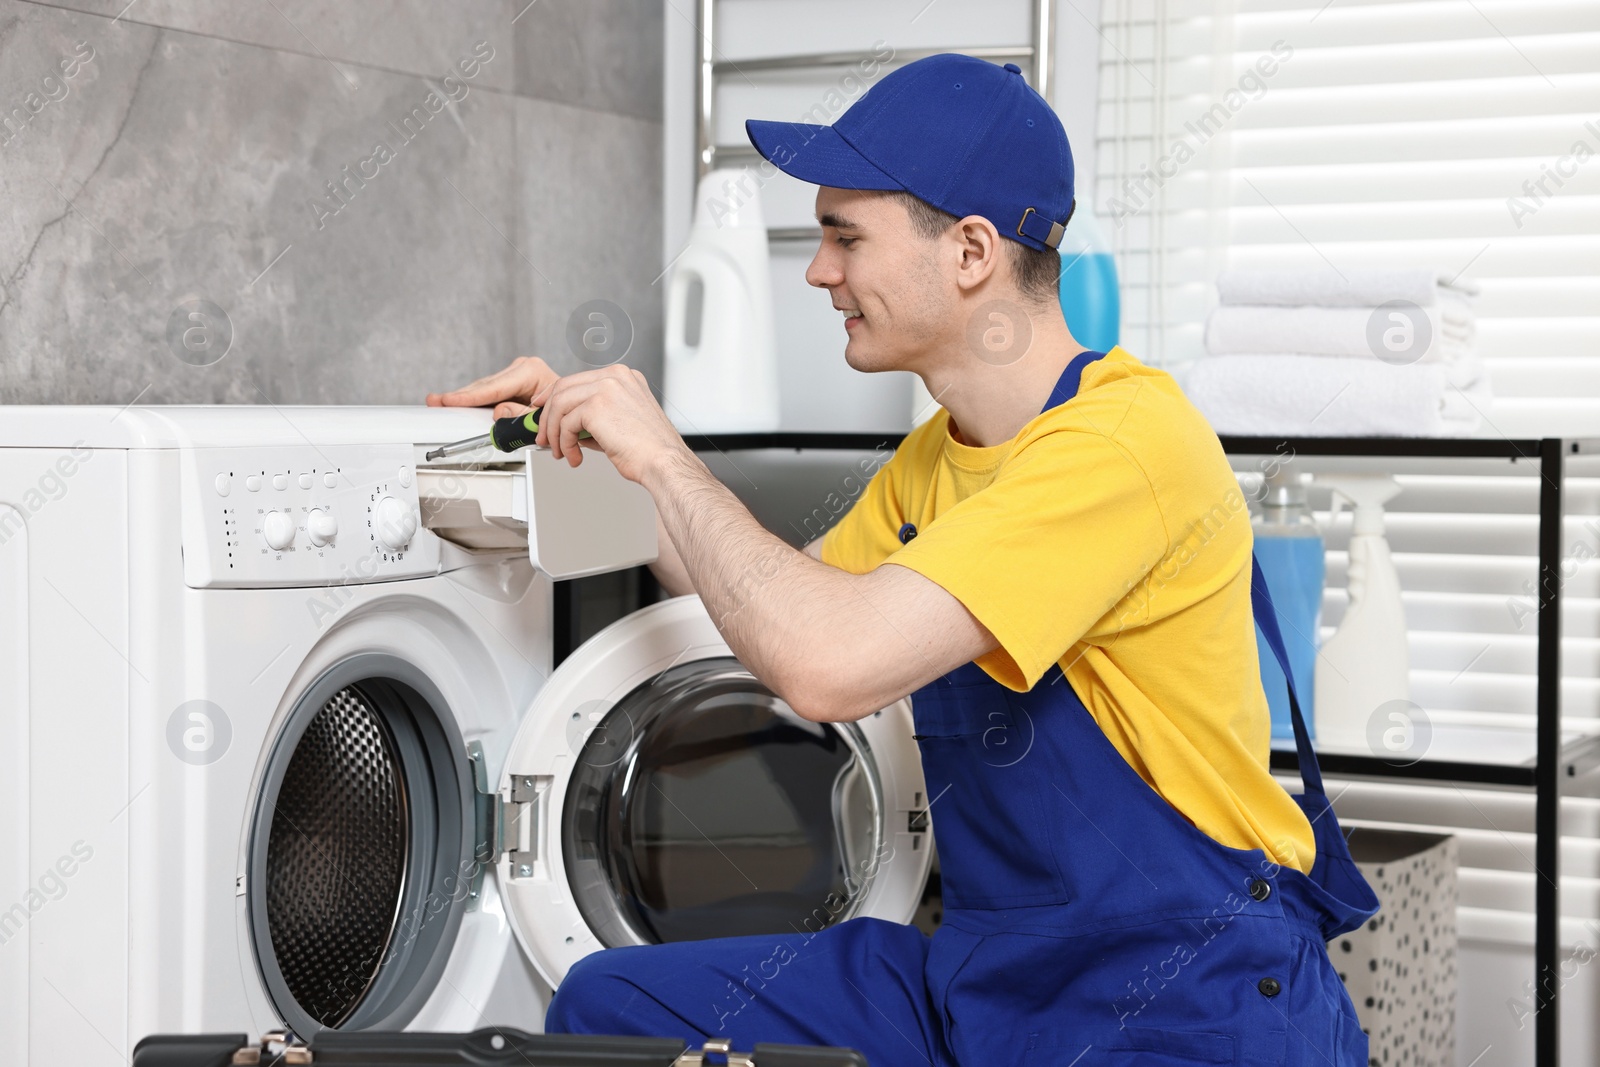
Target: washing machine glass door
[658, 792]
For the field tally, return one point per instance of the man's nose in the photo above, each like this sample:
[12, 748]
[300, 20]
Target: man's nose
[824, 270]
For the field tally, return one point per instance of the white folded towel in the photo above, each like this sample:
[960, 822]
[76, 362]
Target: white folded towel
[1354, 332]
[1319, 397]
[1352, 287]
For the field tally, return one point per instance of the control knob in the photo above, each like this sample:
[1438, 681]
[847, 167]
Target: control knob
[277, 529]
[394, 523]
[321, 526]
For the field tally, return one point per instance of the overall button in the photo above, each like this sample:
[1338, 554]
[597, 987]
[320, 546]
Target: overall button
[305, 481]
[224, 483]
[1270, 987]
[331, 480]
[280, 482]
[1260, 889]
[253, 483]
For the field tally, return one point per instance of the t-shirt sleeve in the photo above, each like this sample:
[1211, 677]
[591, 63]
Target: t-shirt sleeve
[1064, 533]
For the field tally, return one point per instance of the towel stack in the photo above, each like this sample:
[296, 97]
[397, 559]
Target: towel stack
[1371, 352]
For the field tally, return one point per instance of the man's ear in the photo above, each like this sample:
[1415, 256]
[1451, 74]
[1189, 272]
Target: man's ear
[979, 244]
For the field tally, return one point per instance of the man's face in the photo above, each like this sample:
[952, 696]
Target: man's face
[897, 292]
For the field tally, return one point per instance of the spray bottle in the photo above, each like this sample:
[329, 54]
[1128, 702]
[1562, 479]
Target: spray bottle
[1289, 549]
[1365, 664]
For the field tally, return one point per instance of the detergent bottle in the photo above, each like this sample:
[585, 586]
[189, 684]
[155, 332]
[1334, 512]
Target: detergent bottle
[721, 363]
[1289, 548]
[1365, 664]
[1090, 301]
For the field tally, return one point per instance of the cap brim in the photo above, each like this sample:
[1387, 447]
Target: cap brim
[815, 154]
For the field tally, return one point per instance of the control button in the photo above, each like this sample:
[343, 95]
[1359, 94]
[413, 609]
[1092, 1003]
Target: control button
[321, 526]
[1270, 987]
[224, 483]
[305, 481]
[1260, 889]
[277, 529]
[405, 477]
[253, 483]
[395, 523]
[331, 480]
[280, 482]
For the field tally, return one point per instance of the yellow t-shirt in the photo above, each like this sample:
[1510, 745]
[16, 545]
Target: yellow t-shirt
[1108, 536]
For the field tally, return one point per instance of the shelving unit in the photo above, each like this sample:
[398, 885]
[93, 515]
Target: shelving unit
[1556, 754]
[1466, 756]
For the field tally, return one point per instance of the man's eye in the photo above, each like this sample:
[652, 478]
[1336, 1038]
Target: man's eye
[846, 241]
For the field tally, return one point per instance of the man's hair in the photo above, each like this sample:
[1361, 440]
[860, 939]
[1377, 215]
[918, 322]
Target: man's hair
[1036, 271]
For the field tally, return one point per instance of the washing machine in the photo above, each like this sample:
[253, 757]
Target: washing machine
[285, 744]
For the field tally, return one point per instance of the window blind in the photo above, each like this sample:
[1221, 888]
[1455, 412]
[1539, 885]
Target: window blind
[1297, 133]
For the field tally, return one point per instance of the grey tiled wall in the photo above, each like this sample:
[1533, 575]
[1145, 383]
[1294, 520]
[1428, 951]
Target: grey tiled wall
[284, 162]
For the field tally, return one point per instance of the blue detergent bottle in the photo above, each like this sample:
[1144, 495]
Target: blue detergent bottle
[1090, 301]
[1290, 550]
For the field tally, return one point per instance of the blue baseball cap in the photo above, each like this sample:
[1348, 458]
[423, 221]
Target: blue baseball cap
[960, 133]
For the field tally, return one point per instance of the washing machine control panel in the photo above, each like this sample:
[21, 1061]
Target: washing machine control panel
[302, 516]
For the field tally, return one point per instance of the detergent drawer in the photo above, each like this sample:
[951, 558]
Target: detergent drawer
[573, 521]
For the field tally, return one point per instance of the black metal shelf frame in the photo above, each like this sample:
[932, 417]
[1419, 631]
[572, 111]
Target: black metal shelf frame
[1544, 777]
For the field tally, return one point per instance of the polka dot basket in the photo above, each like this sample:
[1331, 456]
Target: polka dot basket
[1400, 968]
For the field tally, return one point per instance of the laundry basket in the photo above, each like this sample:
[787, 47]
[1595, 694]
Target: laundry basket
[1400, 968]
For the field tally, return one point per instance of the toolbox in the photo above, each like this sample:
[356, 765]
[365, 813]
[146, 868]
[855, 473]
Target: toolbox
[492, 1047]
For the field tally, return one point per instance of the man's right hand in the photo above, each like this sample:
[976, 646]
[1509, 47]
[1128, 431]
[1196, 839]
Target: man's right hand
[510, 390]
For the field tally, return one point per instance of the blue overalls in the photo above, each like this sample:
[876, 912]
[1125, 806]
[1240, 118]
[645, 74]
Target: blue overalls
[1086, 921]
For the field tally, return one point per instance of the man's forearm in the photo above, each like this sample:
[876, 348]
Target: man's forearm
[767, 598]
[668, 568]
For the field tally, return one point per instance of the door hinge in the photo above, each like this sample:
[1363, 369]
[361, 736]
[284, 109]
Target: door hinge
[504, 829]
[485, 823]
[520, 821]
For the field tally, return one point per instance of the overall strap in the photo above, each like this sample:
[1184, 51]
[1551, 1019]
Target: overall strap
[1067, 385]
[1267, 619]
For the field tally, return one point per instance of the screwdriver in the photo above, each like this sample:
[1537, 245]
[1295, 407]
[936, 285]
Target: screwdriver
[507, 434]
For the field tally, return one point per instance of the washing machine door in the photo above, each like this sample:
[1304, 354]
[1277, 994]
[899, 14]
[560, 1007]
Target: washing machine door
[658, 792]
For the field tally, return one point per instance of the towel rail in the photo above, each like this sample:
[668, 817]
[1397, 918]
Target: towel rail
[1039, 56]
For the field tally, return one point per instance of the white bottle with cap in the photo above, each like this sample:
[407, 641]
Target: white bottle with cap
[1365, 664]
[721, 373]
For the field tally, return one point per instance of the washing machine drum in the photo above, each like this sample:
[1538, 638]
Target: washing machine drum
[363, 823]
[701, 806]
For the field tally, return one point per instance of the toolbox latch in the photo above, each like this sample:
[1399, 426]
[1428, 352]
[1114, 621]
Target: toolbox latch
[720, 1047]
[276, 1047]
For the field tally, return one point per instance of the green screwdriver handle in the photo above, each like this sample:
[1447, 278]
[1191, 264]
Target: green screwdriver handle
[519, 431]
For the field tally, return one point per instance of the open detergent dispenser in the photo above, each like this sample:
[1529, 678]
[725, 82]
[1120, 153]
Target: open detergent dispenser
[573, 521]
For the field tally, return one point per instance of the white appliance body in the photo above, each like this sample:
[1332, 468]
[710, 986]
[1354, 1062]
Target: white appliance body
[165, 647]
[117, 662]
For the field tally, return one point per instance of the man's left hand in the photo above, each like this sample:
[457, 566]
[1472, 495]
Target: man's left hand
[623, 419]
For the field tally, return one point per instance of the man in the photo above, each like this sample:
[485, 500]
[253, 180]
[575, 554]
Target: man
[1057, 567]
